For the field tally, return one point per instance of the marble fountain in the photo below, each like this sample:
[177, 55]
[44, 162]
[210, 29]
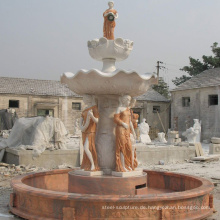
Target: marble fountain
[108, 185]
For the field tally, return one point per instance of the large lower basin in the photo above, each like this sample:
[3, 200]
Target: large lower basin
[45, 196]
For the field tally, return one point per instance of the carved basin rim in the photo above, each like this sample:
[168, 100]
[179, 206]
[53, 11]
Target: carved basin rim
[18, 185]
[144, 76]
[119, 82]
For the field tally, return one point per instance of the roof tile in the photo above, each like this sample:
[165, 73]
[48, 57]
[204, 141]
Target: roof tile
[23, 86]
[207, 78]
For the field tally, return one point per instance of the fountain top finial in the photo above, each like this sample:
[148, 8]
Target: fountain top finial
[109, 21]
[111, 4]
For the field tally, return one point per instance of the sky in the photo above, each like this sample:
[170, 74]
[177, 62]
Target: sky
[41, 39]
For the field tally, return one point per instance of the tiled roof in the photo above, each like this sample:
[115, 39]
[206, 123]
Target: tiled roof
[207, 78]
[23, 86]
[152, 95]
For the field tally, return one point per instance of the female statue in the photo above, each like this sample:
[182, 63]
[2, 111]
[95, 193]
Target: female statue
[123, 142]
[88, 121]
[109, 21]
[197, 127]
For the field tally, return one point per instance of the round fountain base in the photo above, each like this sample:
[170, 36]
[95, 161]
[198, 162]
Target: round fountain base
[166, 195]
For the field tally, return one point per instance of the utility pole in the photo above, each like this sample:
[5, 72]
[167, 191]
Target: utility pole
[158, 69]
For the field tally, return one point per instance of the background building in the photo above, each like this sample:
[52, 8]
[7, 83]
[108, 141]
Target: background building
[155, 108]
[198, 98]
[31, 97]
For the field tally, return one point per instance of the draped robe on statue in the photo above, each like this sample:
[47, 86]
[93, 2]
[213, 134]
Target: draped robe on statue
[108, 27]
[90, 133]
[123, 141]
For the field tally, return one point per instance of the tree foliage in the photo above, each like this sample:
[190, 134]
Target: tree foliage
[162, 88]
[196, 66]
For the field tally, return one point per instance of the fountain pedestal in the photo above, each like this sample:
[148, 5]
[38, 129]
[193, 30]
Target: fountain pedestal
[107, 185]
[108, 86]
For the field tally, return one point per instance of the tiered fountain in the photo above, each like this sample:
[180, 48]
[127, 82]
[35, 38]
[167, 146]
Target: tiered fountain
[109, 185]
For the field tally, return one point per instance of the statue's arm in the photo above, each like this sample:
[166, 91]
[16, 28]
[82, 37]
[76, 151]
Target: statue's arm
[117, 119]
[96, 120]
[86, 125]
[106, 13]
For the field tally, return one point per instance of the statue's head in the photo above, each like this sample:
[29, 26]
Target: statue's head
[196, 120]
[111, 4]
[144, 120]
[125, 100]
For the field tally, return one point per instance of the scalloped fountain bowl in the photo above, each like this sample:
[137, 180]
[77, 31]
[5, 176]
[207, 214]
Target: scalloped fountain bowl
[118, 49]
[119, 82]
[166, 195]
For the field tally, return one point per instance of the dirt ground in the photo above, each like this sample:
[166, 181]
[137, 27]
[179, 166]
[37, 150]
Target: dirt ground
[209, 170]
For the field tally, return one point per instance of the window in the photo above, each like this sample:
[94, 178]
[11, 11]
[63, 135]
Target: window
[213, 99]
[76, 105]
[44, 112]
[156, 109]
[13, 104]
[186, 101]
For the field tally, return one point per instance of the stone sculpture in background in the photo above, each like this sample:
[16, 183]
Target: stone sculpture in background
[144, 132]
[123, 141]
[197, 127]
[50, 129]
[109, 21]
[214, 147]
[173, 137]
[191, 135]
[88, 122]
[37, 134]
[161, 137]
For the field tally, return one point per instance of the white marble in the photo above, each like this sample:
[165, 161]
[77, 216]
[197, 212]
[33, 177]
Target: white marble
[118, 49]
[215, 140]
[172, 136]
[88, 173]
[191, 135]
[144, 132]
[197, 127]
[161, 137]
[105, 135]
[138, 172]
[118, 82]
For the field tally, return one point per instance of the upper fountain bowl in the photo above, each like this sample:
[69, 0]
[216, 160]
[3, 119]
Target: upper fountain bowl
[118, 49]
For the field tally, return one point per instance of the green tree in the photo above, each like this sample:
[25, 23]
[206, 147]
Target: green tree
[162, 88]
[196, 66]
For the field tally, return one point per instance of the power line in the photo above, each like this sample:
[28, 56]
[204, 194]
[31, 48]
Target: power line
[172, 65]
